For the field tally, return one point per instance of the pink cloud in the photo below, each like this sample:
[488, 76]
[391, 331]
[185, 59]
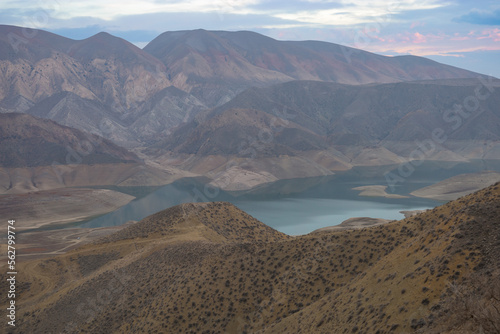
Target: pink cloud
[419, 38]
[493, 34]
[460, 38]
[450, 45]
[417, 24]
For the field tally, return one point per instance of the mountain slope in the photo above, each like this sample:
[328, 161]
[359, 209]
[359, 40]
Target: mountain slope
[202, 62]
[429, 283]
[28, 142]
[39, 154]
[108, 74]
[210, 267]
[108, 86]
[374, 112]
[103, 67]
[324, 127]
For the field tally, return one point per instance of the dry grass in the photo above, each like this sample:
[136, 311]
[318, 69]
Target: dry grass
[211, 268]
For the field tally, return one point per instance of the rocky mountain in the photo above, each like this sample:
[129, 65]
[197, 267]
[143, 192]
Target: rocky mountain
[39, 154]
[214, 65]
[213, 268]
[245, 109]
[90, 84]
[108, 86]
[37, 64]
[310, 128]
[30, 142]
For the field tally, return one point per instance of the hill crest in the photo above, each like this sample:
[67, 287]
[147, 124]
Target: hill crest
[219, 222]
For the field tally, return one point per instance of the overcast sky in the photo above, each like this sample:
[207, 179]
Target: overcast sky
[462, 33]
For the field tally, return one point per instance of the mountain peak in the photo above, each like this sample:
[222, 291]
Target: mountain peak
[219, 222]
[103, 34]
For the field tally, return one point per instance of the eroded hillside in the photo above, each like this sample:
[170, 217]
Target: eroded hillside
[211, 268]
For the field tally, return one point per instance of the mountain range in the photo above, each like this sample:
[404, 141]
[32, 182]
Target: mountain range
[311, 128]
[241, 109]
[230, 104]
[210, 267]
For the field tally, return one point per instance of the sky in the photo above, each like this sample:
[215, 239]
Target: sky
[461, 33]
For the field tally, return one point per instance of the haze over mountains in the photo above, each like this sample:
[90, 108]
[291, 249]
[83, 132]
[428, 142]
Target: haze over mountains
[229, 104]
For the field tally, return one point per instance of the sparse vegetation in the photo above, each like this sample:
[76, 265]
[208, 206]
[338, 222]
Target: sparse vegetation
[209, 268]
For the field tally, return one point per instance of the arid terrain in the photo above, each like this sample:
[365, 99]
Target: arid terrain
[53, 207]
[458, 186]
[47, 243]
[239, 108]
[212, 268]
[81, 120]
[376, 191]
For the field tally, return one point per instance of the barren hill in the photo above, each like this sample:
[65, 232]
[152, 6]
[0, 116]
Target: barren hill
[103, 73]
[29, 141]
[217, 222]
[211, 268]
[40, 154]
[108, 86]
[218, 64]
[311, 128]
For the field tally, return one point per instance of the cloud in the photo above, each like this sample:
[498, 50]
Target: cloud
[417, 24]
[492, 34]
[312, 13]
[478, 61]
[419, 38]
[111, 9]
[476, 16]
[358, 12]
[145, 27]
[294, 5]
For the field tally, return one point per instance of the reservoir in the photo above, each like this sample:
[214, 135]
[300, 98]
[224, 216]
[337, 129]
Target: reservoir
[298, 206]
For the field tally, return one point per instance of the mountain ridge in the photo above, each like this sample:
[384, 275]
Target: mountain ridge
[40, 154]
[331, 127]
[212, 51]
[211, 67]
[164, 101]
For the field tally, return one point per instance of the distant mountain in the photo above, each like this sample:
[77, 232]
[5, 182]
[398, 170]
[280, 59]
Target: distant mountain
[39, 154]
[242, 107]
[310, 128]
[209, 267]
[29, 142]
[209, 63]
[166, 110]
[110, 87]
[90, 84]
[150, 121]
[110, 69]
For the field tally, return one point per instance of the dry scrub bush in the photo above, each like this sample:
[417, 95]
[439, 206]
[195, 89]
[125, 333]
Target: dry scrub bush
[476, 306]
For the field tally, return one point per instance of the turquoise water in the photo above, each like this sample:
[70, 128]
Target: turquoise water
[301, 216]
[300, 206]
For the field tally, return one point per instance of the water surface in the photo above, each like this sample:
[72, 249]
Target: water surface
[300, 206]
